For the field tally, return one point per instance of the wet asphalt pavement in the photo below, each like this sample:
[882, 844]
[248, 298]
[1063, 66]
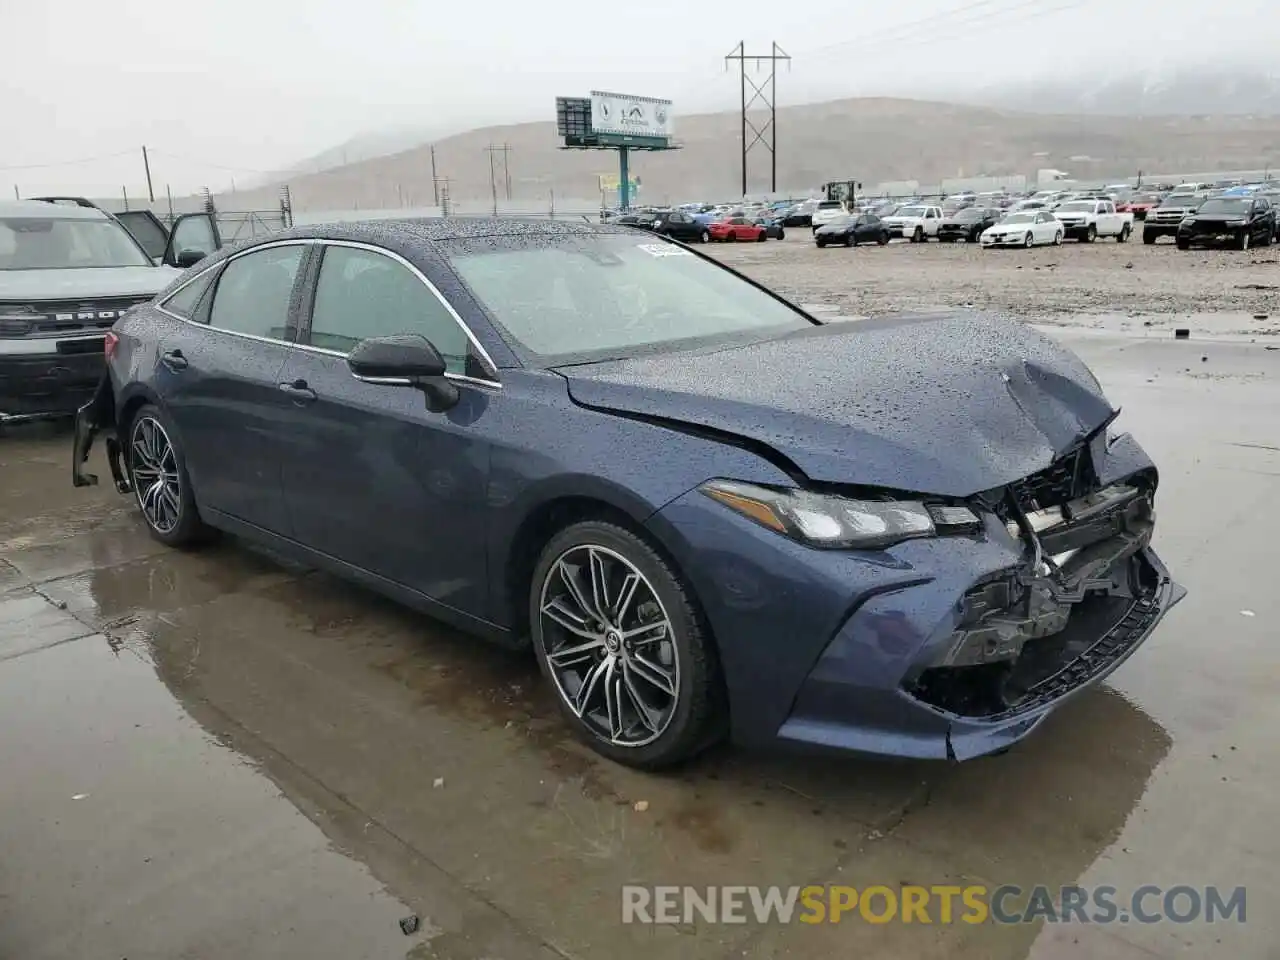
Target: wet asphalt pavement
[213, 755]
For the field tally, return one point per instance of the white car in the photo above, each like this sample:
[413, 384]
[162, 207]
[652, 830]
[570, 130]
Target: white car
[917, 222]
[1029, 228]
[826, 211]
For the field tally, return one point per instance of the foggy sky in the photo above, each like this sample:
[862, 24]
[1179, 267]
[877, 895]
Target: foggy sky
[230, 89]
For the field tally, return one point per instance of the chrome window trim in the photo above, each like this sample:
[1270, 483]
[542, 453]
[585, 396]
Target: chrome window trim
[493, 384]
[483, 354]
[213, 266]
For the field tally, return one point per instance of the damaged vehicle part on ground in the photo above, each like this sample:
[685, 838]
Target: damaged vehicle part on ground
[706, 511]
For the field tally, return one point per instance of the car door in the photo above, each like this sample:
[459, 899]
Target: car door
[372, 477]
[1043, 228]
[868, 227]
[218, 375]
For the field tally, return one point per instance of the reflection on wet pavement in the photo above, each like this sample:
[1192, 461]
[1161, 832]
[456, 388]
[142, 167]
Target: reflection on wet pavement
[276, 763]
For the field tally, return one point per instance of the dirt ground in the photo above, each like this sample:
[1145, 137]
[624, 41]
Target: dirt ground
[215, 755]
[1103, 283]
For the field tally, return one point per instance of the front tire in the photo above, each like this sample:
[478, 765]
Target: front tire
[883, 238]
[1029, 240]
[619, 638]
[704, 236]
[1091, 234]
[1057, 238]
[1245, 237]
[1148, 238]
[850, 240]
[918, 235]
[158, 473]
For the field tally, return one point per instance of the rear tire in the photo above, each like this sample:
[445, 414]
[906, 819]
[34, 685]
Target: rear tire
[705, 237]
[850, 240]
[157, 468]
[687, 720]
[1125, 231]
[763, 236]
[883, 238]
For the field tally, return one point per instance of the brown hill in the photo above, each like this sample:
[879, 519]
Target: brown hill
[871, 139]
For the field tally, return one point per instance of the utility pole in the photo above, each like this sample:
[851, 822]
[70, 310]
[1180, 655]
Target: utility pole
[146, 165]
[506, 170]
[435, 181]
[493, 182]
[766, 92]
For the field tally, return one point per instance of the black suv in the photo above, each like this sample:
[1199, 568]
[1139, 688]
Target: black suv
[1238, 221]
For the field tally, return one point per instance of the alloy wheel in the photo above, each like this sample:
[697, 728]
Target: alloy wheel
[609, 644]
[156, 480]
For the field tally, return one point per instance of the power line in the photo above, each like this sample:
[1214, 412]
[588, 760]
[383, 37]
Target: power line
[68, 163]
[910, 32]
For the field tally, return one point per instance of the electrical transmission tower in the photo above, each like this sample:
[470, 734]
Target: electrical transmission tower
[505, 150]
[766, 92]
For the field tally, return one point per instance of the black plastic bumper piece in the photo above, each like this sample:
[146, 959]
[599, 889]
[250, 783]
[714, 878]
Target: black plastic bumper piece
[98, 416]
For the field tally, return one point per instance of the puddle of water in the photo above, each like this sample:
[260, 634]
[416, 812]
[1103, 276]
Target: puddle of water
[127, 832]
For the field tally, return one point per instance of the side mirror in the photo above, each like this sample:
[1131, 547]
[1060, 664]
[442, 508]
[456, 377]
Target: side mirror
[408, 360]
[189, 258]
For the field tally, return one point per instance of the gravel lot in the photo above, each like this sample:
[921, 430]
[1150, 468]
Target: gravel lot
[1104, 284]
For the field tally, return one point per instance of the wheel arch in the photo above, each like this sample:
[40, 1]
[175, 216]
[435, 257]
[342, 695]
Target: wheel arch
[133, 398]
[552, 513]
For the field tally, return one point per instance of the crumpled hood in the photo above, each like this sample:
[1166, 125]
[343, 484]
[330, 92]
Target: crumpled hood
[89, 283]
[944, 404]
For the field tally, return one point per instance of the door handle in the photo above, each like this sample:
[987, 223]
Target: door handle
[298, 391]
[174, 360]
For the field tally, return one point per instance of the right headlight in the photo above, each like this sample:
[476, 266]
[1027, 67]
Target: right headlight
[832, 521]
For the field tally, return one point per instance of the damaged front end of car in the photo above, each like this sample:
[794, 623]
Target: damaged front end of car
[1086, 591]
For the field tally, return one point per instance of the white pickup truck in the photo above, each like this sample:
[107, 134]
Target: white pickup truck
[917, 222]
[1087, 220]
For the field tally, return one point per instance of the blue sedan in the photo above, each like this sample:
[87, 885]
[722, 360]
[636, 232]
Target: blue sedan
[707, 512]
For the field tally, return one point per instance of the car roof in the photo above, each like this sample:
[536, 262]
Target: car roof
[58, 211]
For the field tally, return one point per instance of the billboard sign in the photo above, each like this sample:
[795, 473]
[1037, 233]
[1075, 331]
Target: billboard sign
[628, 116]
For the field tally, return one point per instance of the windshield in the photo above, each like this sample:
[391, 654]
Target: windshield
[909, 212]
[1085, 206]
[1020, 218]
[1179, 200]
[1238, 205]
[830, 205]
[969, 213]
[59, 243]
[577, 299]
[840, 222]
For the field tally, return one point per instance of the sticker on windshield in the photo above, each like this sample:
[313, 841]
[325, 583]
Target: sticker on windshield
[664, 250]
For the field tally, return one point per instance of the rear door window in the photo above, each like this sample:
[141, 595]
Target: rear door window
[255, 290]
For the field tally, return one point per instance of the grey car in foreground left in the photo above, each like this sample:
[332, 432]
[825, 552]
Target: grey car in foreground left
[708, 513]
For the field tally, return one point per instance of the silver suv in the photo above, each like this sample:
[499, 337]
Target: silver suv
[67, 272]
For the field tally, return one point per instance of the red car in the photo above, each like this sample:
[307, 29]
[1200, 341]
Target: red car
[1138, 205]
[737, 228]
